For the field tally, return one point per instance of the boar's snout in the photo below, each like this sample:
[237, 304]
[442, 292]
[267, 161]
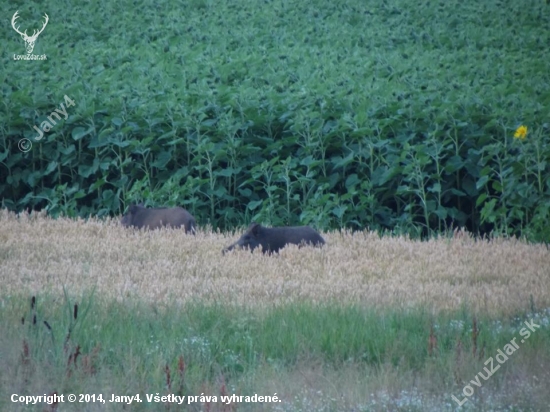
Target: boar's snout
[228, 248]
[249, 240]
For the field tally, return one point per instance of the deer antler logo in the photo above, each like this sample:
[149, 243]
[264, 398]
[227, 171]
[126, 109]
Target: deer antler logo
[29, 40]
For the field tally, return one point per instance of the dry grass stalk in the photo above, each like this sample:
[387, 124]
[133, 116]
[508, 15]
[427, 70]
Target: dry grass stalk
[458, 362]
[168, 378]
[89, 360]
[475, 333]
[26, 365]
[25, 355]
[73, 357]
[181, 375]
[432, 341]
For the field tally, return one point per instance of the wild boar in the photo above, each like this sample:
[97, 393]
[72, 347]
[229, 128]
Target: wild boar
[271, 240]
[139, 217]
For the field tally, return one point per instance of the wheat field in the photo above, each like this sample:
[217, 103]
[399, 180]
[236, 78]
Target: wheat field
[498, 276]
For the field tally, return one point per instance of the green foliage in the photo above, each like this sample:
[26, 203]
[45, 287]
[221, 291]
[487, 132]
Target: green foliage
[134, 341]
[392, 116]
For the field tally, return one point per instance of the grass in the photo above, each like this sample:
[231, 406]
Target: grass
[366, 323]
[318, 357]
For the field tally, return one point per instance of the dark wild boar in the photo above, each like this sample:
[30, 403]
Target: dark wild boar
[271, 240]
[139, 217]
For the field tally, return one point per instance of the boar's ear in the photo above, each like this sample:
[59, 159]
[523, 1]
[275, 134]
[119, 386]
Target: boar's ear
[133, 209]
[254, 228]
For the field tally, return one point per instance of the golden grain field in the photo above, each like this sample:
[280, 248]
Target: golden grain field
[39, 254]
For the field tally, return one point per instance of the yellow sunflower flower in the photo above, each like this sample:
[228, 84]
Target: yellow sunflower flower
[521, 132]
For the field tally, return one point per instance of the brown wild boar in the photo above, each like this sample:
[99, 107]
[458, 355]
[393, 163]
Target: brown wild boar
[139, 217]
[271, 240]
